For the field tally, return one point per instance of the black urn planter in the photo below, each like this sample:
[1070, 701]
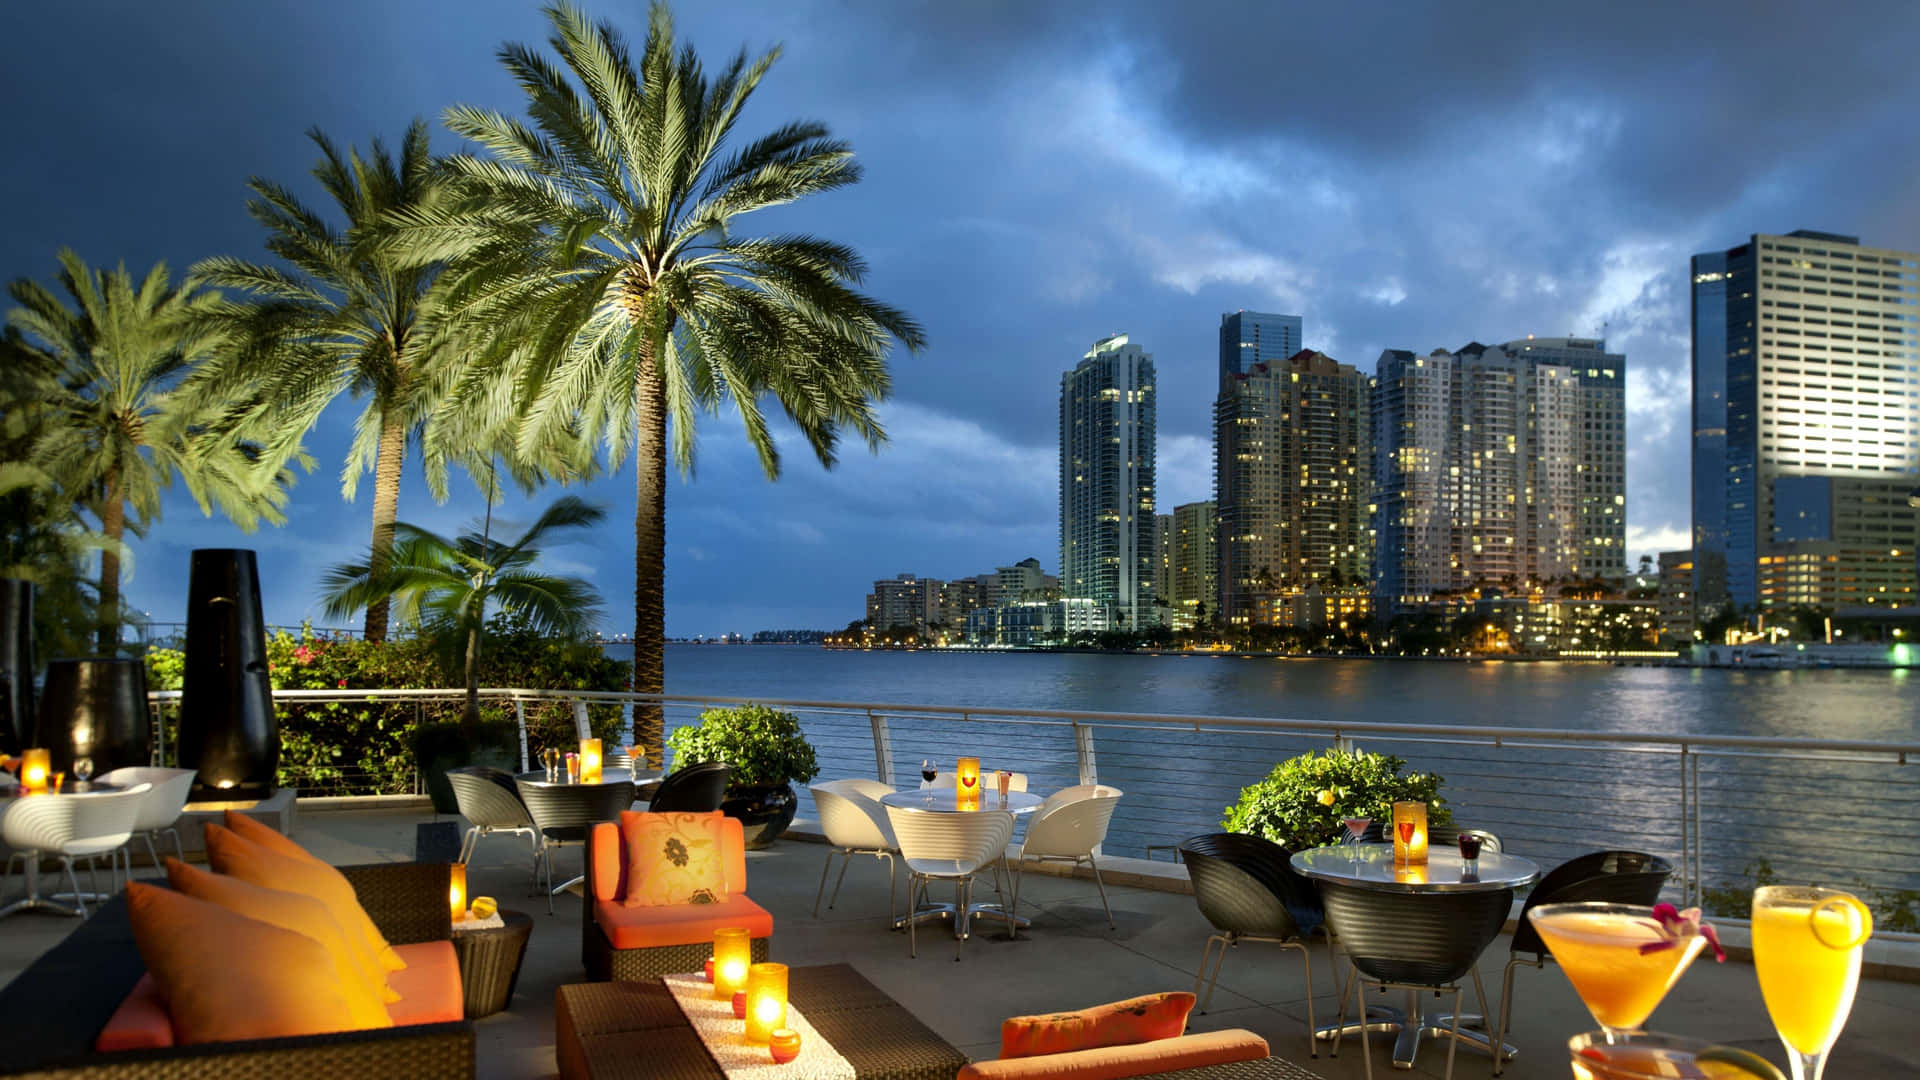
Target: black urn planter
[17, 714]
[228, 729]
[96, 708]
[764, 810]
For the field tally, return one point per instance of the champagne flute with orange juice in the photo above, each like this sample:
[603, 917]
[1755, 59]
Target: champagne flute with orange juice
[1806, 949]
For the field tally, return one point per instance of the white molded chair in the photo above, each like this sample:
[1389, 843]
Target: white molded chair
[160, 811]
[1069, 827]
[855, 824]
[949, 847]
[81, 826]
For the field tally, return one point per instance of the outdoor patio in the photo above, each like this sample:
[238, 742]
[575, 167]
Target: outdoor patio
[1068, 959]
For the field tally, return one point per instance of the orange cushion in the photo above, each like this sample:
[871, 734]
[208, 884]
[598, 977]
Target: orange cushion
[230, 854]
[140, 1023]
[267, 836]
[674, 858]
[226, 977]
[733, 858]
[609, 856]
[678, 924]
[1135, 1020]
[364, 984]
[1117, 1062]
[429, 986]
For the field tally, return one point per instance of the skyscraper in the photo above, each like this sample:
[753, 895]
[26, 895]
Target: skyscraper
[1806, 423]
[1106, 482]
[1498, 465]
[1195, 560]
[1256, 337]
[1290, 481]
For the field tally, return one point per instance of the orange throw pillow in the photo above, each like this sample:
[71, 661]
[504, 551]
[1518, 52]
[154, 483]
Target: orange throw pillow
[365, 985]
[227, 978]
[675, 858]
[267, 837]
[1123, 1023]
[230, 854]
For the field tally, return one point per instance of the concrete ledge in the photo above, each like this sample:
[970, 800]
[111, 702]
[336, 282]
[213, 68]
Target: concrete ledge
[275, 811]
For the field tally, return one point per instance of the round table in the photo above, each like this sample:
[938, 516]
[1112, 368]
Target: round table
[574, 817]
[945, 799]
[609, 775]
[1372, 867]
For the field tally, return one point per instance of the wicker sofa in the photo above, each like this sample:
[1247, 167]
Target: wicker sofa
[58, 1007]
[623, 943]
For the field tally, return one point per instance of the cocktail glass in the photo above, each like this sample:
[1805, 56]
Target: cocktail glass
[1806, 950]
[1619, 958]
[1652, 1056]
[1356, 828]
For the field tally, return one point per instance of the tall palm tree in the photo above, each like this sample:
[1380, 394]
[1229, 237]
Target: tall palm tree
[452, 582]
[349, 315]
[121, 418]
[601, 245]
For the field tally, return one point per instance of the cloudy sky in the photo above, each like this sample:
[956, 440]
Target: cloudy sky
[1039, 175]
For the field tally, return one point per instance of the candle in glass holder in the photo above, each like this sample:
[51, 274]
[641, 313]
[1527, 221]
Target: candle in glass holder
[1410, 833]
[589, 761]
[785, 1045]
[740, 1005]
[36, 765]
[709, 970]
[732, 952]
[766, 1001]
[966, 776]
[457, 891]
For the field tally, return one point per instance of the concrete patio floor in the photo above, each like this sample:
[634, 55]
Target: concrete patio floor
[1068, 959]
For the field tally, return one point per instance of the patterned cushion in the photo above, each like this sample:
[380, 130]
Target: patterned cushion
[675, 858]
[1136, 1020]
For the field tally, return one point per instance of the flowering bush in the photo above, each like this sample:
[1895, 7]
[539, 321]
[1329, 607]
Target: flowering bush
[1304, 800]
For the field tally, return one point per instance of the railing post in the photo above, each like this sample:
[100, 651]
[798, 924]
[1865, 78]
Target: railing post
[882, 748]
[1689, 894]
[580, 718]
[1699, 870]
[520, 718]
[1083, 750]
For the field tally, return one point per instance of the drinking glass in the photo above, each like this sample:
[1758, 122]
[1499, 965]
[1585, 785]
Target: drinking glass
[1806, 950]
[1612, 956]
[1656, 1057]
[83, 769]
[1356, 828]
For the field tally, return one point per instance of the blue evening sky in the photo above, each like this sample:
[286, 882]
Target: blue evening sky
[1039, 175]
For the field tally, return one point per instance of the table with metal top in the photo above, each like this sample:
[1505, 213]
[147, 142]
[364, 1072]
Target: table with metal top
[945, 799]
[1372, 867]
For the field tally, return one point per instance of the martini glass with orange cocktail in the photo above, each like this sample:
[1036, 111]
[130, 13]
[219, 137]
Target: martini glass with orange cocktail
[1623, 958]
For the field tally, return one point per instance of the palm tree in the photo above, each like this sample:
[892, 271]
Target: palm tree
[602, 247]
[350, 315]
[453, 582]
[121, 417]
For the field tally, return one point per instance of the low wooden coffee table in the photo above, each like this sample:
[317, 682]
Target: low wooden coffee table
[617, 1030]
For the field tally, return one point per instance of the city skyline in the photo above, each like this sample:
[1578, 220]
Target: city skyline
[1062, 200]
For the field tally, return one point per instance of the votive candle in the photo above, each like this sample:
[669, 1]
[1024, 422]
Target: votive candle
[766, 1001]
[785, 1045]
[732, 953]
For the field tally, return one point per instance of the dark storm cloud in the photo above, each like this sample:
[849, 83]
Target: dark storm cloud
[1040, 175]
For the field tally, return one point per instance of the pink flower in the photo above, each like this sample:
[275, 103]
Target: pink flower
[305, 655]
[342, 683]
[1676, 926]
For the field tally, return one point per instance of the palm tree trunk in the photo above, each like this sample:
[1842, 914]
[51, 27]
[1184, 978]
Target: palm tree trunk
[470, 716]
[113, 522]
[650, 552]
[386, 504]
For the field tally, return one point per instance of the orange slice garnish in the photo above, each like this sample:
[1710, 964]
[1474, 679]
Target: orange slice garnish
[1853, 915]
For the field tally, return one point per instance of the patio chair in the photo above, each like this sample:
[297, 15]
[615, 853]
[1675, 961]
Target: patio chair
[1615, 877]
[1426, 942]
[949, 847]
[81, 826]
[166, 799]
[695, 789]
[855, 824]
[1249, 891]
[490, 801]
[564, 813]
[1069, 827]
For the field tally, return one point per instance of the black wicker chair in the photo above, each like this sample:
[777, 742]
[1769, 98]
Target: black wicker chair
[1614, 877]
[490, 801]
[1429, 943]
[696, 788]
[1248, 889]
[565, 812]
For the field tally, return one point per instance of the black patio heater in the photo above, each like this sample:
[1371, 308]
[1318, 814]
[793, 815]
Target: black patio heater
[228, 730]
[94, 716]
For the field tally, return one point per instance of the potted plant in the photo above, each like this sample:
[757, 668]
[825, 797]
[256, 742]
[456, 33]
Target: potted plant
[764, 751]
[445, 745]
[1303, 802]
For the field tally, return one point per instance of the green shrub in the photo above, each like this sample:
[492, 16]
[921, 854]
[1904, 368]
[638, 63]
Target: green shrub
[1302, 802]
[761, 746]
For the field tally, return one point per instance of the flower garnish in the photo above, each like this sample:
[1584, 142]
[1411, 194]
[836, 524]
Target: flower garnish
[1677, 926]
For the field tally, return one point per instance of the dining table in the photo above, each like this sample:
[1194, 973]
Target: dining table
[10, 796]
[945, 799]
[1374, 868]
[588, 793]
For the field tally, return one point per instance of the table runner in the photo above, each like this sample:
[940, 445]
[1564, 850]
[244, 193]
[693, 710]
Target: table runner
[722, 1035]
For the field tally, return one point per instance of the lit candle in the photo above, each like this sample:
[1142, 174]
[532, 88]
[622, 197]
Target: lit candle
[785, 1044]
[732, 952]
[35, 765]
[1410, 833]
[766, 1001]
[740, 1005]
[589, 761]
[709, 969]
[457, 891]
[966, 776]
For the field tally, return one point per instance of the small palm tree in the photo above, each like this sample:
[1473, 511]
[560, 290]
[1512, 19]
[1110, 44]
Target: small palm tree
[452, 583]
[120, 417]
[602, 246]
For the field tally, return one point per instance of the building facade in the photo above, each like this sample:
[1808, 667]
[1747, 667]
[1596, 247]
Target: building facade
[1676, 597]
[1256, 337]
[1106, 482]
[1498, 466]
[904, 600]
[1196, 587]
[1291, 482]
[1806, 423]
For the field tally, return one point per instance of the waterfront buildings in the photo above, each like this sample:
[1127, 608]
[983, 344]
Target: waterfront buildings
[1106, 485]
[904, 600]
[1163, 560]
[1806, 424]
[1256, 337]
[1194, 563]
[1498, 465]
[1676, 597]
[1291, 481]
